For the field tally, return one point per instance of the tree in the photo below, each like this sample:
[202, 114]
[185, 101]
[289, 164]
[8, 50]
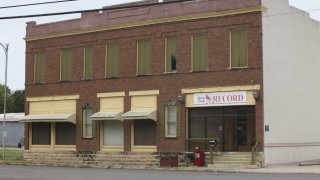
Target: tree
[18, 101]
[15, 100]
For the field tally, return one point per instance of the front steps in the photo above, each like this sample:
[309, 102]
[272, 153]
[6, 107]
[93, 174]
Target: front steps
[224, 160]
[89, 159]
[231, 160]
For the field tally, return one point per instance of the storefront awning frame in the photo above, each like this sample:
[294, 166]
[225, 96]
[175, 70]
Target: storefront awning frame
[63, 117]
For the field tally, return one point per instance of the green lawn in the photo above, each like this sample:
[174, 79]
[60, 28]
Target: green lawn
[12, 155]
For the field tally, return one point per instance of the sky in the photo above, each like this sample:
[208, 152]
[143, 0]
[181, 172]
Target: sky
[13, 31]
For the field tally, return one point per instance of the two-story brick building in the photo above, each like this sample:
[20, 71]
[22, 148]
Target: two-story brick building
[148, 77]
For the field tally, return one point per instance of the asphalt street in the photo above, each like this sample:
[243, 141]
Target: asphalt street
[9, 172]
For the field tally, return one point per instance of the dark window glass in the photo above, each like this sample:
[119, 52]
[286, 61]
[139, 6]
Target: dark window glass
[65, 133]
[144, 132]
[41, 133]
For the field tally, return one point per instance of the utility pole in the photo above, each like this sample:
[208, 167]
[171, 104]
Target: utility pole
[5, 48]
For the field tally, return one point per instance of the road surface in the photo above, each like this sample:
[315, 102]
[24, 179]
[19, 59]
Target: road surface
[10, 172]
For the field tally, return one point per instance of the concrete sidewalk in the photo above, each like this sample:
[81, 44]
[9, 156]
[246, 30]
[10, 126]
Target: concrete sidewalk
[286, 168]
[293, 168]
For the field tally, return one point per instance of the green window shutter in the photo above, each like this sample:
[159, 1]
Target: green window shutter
[66, 64]
[204, 52]
[144, 57]
[162, 121]
[112, 60]
[243, 49]
[179, 111]
[39, 72]
[200, 52]
[196, 53]
[88, 56]
[94, 129]
[171, 44]
[239, 48]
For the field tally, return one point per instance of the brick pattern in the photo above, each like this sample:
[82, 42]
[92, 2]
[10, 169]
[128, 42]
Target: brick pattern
[170, 85]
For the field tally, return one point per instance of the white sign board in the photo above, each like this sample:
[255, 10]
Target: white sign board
[221, 98]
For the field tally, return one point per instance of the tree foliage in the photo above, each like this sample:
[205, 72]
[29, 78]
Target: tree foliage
[15, 100]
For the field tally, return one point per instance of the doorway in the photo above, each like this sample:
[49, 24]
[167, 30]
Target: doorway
[234, 126]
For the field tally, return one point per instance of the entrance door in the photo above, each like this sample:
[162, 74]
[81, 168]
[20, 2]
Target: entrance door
[234, 126]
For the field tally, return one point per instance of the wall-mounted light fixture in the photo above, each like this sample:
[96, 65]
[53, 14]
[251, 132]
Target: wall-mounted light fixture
[181, 99]
[255, 94]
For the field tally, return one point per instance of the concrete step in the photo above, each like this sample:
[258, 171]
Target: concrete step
[233, 162]
[232, 166]
[223, 158]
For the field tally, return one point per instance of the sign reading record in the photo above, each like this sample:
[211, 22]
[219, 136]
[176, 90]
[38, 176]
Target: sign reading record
[221, 98]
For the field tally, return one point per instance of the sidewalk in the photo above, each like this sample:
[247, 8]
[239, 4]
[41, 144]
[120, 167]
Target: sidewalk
[285, 168]
[292, 168]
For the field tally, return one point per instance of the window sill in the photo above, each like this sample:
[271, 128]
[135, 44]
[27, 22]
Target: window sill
[236, 68]
[193, 71]
[86, 79]
[39, 83]
[170, 137]
[141, 75]
[87, 138]
[111, 77]
[65, 81]
[172, 72]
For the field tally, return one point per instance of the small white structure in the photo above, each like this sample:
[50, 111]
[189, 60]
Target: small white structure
[14, 129]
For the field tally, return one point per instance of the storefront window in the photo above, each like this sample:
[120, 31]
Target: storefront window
[41, 133]
[113, 133]
[65, 133]
[144, 132]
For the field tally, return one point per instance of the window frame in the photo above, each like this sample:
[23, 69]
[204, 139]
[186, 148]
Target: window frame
[167, 135]
[61, 50]
[35, 68]
[84, 123]
[192, 52]
[166, 51]
[106, 75]
[84, 63]
[230, 45]
[150, 57]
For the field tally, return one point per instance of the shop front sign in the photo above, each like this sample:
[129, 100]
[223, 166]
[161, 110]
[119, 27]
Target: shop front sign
[221, 98]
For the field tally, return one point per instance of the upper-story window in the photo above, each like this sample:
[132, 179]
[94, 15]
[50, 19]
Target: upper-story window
[39, 67]
[66, 64]
[239, 49]
[88, 55]
[144, 57]
[171, 59]
[112, 60]
[200, 52]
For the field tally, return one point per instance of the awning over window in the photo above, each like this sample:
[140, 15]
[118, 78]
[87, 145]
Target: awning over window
[140, 114]
[105, 116]
[50, 118]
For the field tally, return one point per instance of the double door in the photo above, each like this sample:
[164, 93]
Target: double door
[233, 126]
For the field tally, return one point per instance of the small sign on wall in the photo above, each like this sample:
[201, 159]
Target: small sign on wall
[266, 128]
[220, 98]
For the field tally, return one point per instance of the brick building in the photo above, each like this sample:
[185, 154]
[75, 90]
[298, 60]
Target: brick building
[148, 77]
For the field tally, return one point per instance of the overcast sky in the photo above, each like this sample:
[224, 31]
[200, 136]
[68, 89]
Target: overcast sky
[13, 31]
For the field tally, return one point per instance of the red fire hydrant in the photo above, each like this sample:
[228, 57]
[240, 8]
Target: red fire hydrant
[198, 157]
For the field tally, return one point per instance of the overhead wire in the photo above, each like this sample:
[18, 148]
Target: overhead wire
[33, 4]
[91, 10]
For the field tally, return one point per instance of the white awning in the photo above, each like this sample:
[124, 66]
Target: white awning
[50, 118]
[140, 114]
[105, 116]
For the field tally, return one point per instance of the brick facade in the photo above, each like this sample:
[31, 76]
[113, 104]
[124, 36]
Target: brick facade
[170, 85]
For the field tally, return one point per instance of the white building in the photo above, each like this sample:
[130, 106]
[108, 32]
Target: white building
[291, 61]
